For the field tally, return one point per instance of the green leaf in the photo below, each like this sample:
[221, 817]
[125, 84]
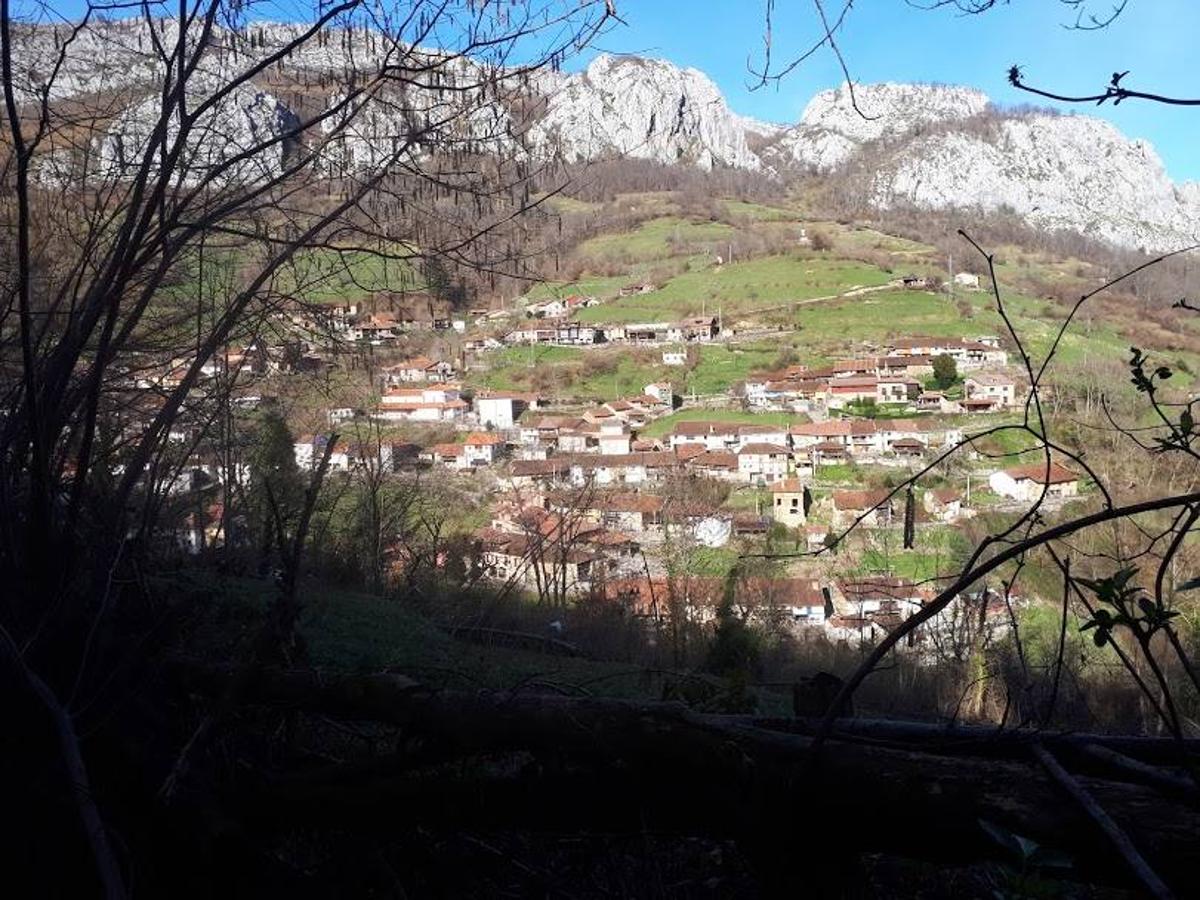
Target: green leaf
[1121, 578]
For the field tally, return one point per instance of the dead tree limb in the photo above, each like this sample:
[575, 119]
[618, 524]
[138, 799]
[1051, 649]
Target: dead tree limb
[1146, 876]
[611, 763]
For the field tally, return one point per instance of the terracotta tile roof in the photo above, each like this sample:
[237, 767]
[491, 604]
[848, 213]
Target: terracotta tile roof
[853, 384]
[787, 486]
[880, 587]
[860, 500]
[417, 362]
[764, 450]
[483, 439]
[411, 405]
[991, 379]
[506, 395]
[1042, 474]
[628, 502]
[801, 592]
[828, 428]
[532, 468]
[701, 429]
[714, 459]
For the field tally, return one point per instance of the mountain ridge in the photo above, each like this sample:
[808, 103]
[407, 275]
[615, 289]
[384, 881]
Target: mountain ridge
[920, 145]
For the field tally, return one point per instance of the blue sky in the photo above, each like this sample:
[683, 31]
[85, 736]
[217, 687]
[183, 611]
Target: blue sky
[889, 40]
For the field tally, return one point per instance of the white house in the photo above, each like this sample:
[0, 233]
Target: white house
[787, 502]
[660, 391]
[674, 357]
[763, 462]
[432, 403]
[1026, 483]
[760, 434]
[481, 448]
[419, 368]
[501, 409]
[614, 438]
[714, 436]
[996, 387]
[967, 354]
[346, 454]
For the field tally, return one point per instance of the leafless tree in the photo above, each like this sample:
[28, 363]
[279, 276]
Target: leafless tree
[171, 178]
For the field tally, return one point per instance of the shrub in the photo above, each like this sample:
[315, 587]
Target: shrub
[820, 240]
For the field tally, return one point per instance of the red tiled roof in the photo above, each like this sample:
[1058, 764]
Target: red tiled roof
[763, 450]
[714, 459]
[1042, 474]
[991, 379]
[844, 384]
[628, 502]
[506, 395]
[531, 468]
[828, 428]
[410, 405]
[483, 439]
[700, 429]
[859, 500]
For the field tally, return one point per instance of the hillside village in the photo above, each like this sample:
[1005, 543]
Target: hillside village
[595, 499]
[449, 453]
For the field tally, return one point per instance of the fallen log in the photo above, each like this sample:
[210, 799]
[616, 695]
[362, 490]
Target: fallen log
[600, 763]
[989, 740]
[514, 640]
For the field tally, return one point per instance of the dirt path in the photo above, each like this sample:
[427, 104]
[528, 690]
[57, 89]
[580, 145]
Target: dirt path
[857, 291]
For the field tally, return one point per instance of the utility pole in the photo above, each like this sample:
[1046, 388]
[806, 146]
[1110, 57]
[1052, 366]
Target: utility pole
[950, 269]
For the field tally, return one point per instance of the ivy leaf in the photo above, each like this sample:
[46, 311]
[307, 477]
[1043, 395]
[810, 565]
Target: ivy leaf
[1122, 577]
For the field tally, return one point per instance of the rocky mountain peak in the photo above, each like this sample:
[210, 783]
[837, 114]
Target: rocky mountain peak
[647, 109]
[922, 145]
